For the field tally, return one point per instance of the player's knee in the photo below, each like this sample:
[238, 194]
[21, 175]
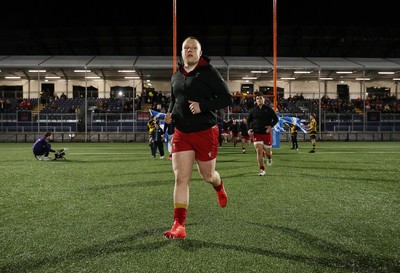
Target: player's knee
[207, 177]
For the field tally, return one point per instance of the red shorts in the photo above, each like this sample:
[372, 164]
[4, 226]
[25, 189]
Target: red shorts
[203, 143]
[246, 137]
[266, 139]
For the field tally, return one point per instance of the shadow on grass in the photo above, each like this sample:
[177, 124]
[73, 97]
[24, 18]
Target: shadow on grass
[344, 178]
[104, 160]
[346, 259]
[228, 160]
[136, 184]
[341, 258]
[351, 261]
[124, 244]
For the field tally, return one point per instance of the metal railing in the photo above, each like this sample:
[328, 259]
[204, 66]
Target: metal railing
[23, 121]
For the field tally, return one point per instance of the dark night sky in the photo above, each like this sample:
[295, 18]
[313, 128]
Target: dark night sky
[290, 12]
[306, 27]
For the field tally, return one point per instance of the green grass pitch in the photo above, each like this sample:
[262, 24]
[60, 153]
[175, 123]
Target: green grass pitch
[106, 207]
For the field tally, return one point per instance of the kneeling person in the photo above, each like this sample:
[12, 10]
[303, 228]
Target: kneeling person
[42, 147]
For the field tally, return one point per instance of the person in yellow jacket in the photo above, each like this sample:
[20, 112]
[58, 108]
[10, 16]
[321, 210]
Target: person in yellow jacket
[293, 135]
[151, 124]
[312, 128]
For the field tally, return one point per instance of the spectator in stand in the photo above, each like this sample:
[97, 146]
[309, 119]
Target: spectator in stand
[138, 103]
[63, 96]
[43, 98]
[23, 104]
[150, 96]
[28, 104]
[8, 105]
[53, 105]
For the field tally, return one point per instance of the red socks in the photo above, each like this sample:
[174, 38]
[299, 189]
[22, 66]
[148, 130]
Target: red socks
[219, 187]
[180, 215]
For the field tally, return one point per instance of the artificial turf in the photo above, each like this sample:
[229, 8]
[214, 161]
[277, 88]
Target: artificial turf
[106, 207]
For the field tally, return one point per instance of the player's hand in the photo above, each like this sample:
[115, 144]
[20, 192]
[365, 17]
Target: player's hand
[194, 107]
[168, 118]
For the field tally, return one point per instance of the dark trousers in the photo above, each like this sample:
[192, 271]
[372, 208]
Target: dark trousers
[157, 145]
[294, 141]
[41, 151]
